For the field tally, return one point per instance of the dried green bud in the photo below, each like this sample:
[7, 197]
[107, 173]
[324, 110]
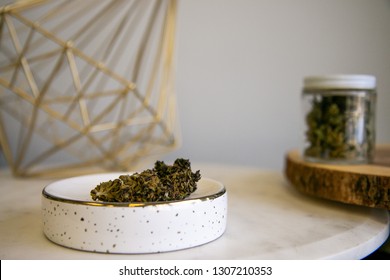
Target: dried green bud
[178, 177]
[163, 183]
[330, 128]
[107, 191]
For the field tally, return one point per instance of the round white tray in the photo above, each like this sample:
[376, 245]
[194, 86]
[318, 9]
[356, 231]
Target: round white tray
[72, 219]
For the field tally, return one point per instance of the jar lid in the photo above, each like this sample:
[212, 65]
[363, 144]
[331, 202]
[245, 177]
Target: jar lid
[340, 82]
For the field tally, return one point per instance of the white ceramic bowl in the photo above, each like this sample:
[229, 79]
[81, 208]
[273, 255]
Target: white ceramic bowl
[72, 219]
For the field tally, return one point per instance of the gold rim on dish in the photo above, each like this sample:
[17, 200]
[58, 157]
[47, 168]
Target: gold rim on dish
[49, 196]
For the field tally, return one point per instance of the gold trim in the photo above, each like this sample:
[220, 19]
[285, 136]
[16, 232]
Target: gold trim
[48, 196]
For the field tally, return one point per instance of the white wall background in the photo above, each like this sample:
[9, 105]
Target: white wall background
[240, 65]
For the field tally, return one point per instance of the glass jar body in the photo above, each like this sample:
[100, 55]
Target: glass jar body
[339, 125]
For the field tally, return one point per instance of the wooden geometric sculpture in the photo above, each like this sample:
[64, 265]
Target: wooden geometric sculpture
[86, 84]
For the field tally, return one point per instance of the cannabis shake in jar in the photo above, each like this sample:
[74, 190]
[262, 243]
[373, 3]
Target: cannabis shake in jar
[339, 118]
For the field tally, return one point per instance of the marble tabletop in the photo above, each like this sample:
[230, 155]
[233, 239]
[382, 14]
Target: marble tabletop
[267, 219]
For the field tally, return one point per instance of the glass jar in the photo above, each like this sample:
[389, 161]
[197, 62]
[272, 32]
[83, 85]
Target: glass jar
[339, 113]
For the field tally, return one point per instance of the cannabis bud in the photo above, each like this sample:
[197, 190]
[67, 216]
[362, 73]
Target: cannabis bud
[162, 183]
[337, 128]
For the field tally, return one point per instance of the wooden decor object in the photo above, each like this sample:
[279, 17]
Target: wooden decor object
[366, 185]
[86, 84]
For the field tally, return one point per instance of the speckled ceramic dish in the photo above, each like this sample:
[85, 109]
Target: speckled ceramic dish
[72, 219]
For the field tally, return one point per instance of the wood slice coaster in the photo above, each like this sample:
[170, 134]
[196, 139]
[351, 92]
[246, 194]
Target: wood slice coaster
[366, 185]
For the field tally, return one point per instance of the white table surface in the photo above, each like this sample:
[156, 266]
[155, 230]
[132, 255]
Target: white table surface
[267, 219]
